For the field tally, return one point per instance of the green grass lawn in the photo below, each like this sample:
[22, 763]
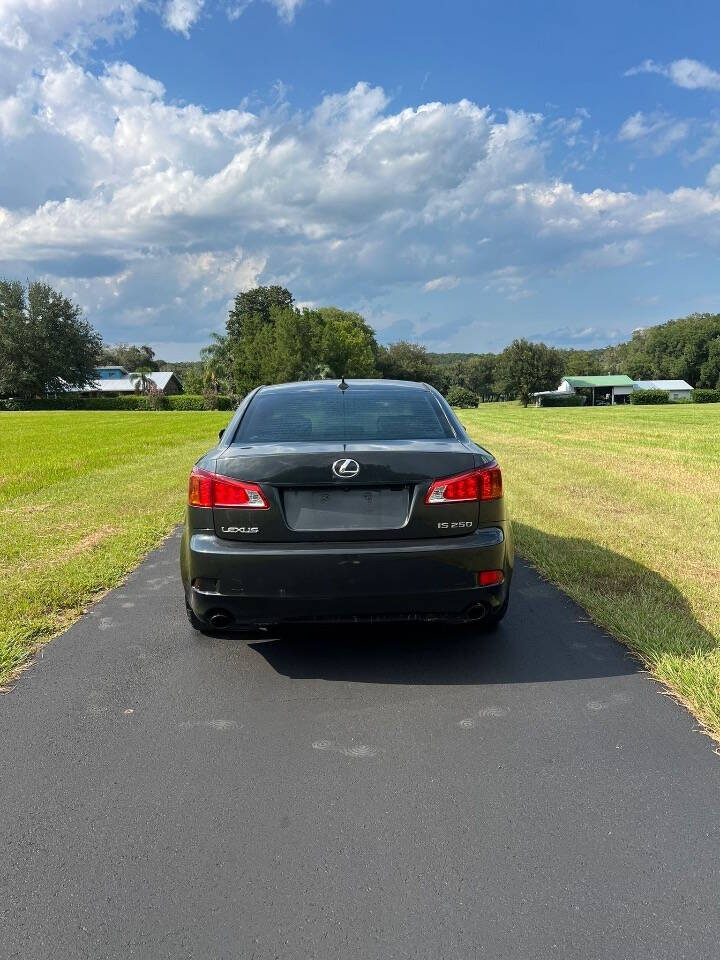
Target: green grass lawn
[83, 496]
[620, 506]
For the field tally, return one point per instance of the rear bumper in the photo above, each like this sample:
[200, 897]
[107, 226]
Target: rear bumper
[274, 583]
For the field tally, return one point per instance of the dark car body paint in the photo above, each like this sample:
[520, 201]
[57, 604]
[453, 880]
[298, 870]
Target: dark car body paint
[252, 564]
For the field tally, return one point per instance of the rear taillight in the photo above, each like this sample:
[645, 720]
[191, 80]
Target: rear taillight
[483, 484]
[200, 490]
[213, 490]
[490, 578]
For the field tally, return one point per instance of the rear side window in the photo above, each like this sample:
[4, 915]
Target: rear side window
[289, 416]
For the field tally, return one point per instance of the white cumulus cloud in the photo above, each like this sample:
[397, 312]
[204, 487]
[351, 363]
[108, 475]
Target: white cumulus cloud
[153, 213]
[713, 177]
[687, 73]
[36, 32]
[33, 32]
[180, 15]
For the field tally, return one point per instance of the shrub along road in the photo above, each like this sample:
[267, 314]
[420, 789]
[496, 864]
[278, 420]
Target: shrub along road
[381, 793]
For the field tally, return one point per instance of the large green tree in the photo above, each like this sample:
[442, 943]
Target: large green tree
[710, 370]
[523, 368]
[406, 361]
[582, 363]
[190, 374]
[258, 303]
[285, 343]
[678, 349]
[613, 359]
[347, 345]
[477, 373]
[46, 345]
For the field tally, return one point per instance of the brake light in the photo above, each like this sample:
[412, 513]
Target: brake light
[213, 490]
[482, 484]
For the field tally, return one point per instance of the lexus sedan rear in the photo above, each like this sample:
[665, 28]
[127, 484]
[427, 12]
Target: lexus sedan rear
[358, 500]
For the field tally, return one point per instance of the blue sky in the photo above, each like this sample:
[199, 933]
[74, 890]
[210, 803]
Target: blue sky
[461, 173]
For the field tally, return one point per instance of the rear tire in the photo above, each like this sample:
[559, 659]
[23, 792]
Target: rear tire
[194, 621]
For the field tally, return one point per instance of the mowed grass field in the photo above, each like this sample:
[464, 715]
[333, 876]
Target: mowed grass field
[83, 496]
[620, 506]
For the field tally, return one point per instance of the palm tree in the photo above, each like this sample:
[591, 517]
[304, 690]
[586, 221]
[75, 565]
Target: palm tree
[211, 373]
[216, 364]
[141, 380]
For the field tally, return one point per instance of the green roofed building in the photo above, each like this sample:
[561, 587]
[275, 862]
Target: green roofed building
[598, 391]
[611, 380]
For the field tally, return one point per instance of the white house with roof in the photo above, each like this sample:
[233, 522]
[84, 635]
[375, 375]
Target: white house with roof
[678, 389]
[116, 381]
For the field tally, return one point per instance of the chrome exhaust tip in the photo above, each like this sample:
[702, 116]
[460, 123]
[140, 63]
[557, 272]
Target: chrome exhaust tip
[476, 612]
[219, 619]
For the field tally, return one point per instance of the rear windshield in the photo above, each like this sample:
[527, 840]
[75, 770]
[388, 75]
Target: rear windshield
[288, 416]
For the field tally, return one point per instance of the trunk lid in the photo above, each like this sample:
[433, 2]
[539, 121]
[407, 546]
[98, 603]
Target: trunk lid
[382, 499]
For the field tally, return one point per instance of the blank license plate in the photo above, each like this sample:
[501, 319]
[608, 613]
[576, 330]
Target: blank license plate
[356, 509]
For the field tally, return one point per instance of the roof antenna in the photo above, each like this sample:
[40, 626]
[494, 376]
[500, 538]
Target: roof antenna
[342, 385]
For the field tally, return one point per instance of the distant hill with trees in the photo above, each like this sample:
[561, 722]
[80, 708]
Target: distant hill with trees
[47, 345]
[687, 349]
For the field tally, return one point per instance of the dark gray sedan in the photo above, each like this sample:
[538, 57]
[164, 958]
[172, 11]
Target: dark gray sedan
[349, 501]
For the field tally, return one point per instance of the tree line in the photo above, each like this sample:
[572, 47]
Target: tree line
[269, 339]
[47, 346]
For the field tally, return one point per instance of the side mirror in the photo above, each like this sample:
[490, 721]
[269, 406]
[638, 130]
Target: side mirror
[220, 434]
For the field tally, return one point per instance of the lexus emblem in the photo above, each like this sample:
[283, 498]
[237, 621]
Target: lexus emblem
[346, 468]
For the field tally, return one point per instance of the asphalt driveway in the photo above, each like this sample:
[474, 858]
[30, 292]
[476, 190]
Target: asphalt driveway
[374, 793]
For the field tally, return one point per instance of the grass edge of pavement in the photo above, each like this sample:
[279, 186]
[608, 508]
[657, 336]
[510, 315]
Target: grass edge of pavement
[70, 615]
[609, 627]
[84, 497]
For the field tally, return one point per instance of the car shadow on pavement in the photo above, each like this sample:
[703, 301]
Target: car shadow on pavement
[545, 636]
[418, 655]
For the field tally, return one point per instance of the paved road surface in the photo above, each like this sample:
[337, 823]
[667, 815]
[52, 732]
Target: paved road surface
[374, 795]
